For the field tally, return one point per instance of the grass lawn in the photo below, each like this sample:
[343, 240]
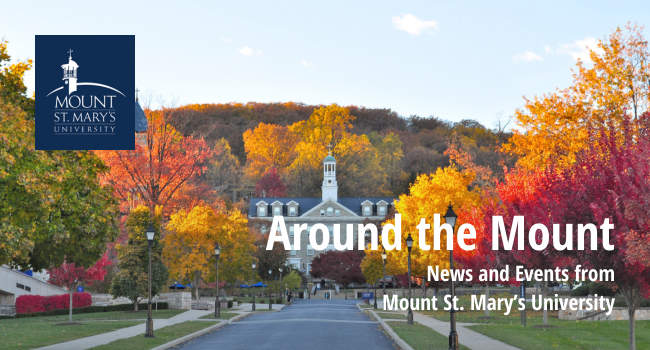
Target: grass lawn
[592, 335]
[119, 315]
[391, 316]
[34, 332]
[224, 316]
[162, 336]
[469, 316]
[421, 337]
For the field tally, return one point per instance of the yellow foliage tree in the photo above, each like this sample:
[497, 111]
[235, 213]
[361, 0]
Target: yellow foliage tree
[268, 146]
[430, 194]
[557, 126]
[191, 239]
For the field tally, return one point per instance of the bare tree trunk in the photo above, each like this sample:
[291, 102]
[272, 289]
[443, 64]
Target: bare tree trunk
[196, 285]
[135, 304]
[487, 295]
[70, 315]
[544, 294]
[633, 298]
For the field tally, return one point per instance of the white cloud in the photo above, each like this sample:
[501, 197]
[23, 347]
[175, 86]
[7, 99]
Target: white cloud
[413, 25]
[307, 64]
[224, 39]
[527, 56]
[247, 51]
[580, 49]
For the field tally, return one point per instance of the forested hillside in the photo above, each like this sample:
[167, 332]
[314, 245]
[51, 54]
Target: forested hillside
[418, 145]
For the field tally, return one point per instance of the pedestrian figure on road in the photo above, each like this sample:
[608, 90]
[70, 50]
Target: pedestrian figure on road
[288, 293]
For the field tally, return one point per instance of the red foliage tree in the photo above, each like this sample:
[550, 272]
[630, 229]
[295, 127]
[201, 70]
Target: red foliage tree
[155, 171]
[70, 276]
[270, 185]
[341, 266]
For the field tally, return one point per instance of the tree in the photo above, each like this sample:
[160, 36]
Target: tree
[52, 205]
[291, 281]
[611, 180]
[153, 173]
[70, 276]
[341, 266]
[268, 146]
[270, 185]
[132, 279]
[556, 126]
[431, 194]
[192, 237]
[390, 153]
[224, 171]
[273, 259]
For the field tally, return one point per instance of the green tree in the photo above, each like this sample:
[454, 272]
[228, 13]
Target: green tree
[52, 206]
[291, 281]
[132, 279]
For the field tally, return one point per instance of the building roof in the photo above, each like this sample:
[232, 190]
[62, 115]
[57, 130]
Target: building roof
[307, 203]
[329, 159]
[141, 123]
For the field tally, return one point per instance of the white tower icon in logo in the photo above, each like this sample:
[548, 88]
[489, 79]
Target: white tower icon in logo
[70, 74]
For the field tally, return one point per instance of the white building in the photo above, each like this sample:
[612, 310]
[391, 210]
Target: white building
[330, 209]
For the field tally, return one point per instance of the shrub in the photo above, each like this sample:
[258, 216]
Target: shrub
[27, 304]
[62, 301]
[601, 289]
[581, 291]
[262, 301]
[278, 301]
[230, 302]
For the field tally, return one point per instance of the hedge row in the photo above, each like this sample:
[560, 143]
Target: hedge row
[26, 304]
[91, 309]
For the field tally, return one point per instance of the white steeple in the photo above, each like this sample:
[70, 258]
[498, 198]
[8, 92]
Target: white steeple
[330, 188]
[70, 73]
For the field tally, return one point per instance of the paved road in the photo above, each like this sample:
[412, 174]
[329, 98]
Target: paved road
[307, 324]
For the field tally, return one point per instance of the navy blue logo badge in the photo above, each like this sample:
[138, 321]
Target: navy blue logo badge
[84, 92]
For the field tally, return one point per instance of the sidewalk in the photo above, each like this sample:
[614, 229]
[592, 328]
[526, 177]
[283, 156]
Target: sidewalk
[105, 338]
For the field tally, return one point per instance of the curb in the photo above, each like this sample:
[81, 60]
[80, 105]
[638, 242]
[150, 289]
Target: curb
[197, 334]
[399, 341]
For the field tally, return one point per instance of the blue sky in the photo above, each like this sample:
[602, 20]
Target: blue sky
[452, 59]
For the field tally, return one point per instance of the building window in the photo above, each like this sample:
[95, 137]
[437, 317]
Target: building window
[293, 251]
[277, 211]
[291, 231]
[322, 212]
[366, 210]
[329, 247]
[330, 211]
[337, 212]
[310, 250]
[292, 211]
[263, 228]
[308, 269]
[262, 211]
[382, 210]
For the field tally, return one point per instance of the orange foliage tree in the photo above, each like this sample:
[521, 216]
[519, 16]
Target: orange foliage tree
[557, 126]
[154, 172]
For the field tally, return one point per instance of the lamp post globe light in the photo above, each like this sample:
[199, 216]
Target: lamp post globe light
[253, 309]
[383, 259]
[270, 304]
[150, 235]
[217, 305]
[280, 289]
[450, 218]
[409, 245]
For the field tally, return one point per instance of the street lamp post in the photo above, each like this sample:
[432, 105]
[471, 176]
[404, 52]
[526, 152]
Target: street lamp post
[270, 304]
[383, 259]
[253, 309]
[217, 305]
[409, 245]
[150, 235]
[450, 218]
[280, 289]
